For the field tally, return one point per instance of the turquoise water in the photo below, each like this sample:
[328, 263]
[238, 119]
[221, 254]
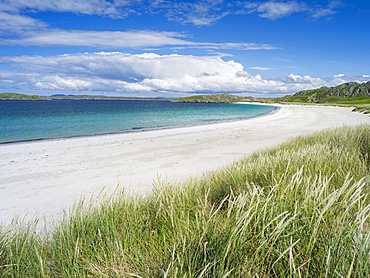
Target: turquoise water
[36, 120]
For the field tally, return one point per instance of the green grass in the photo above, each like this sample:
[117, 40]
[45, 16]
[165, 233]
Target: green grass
[216, 98]
[15, 96]
[201, 97]
[362, 109]
[357, 102]
[300, 209]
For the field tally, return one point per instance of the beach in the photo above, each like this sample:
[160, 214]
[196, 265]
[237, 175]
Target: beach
[43, 178]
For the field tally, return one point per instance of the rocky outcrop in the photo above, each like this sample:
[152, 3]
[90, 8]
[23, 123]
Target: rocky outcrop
[346, 90]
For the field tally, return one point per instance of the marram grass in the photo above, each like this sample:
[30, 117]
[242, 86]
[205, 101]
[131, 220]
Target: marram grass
[300, 209]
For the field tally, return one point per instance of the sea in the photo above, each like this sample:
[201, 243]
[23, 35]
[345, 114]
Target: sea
[39, 120]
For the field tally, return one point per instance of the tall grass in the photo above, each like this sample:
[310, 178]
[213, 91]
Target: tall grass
[364, 108]
[300, 209]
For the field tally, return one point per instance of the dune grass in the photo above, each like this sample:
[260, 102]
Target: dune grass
[300, 209]
[362, 109]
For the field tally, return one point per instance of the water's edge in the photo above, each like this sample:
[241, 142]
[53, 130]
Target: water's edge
[143, 129]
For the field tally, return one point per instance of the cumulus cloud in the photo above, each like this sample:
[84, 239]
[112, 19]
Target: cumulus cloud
[343, 78]
[150, 73]
[117, 65]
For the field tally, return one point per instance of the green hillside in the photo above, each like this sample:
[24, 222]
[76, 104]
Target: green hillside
[15, 96]
[347, 93]
[218, 98]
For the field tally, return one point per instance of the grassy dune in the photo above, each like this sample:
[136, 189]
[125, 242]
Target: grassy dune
[300, 209]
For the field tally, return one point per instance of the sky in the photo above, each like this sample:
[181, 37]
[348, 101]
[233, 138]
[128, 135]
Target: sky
[164, 48]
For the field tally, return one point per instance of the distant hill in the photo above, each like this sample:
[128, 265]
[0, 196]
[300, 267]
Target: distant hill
[348, 94]
[99, 97]
[353, 92]
[15, 96]
[218, 98]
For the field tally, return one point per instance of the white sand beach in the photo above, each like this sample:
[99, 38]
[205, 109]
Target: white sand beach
[44, 177]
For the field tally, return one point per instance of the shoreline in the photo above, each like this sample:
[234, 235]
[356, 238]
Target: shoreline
[46, 177]
[144, 129]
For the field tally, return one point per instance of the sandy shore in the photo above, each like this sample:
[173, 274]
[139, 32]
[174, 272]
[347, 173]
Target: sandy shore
[45, 177]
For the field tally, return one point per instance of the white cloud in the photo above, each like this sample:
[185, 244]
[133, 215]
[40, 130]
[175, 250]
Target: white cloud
[199, 13]
[343, 78]
[120, 40]
[55, 82]
[239, 46]
[278, 9]
[261, 68]
[100, 39]
[274, 10]
[14, 23]
[150, 73]
[207, 12]
[117, 65]
[330, 9]
[14, 76]
[19, 81]
[89, 7]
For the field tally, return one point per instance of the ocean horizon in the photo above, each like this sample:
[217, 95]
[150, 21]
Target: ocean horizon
[22, 121]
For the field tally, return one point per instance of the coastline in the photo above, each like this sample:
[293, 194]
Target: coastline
[146, 129]
[115, 125]
[44, 177]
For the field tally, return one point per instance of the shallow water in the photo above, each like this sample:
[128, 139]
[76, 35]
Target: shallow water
[36, 120]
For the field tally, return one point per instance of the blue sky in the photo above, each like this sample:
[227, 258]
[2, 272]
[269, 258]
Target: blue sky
[179, 48]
